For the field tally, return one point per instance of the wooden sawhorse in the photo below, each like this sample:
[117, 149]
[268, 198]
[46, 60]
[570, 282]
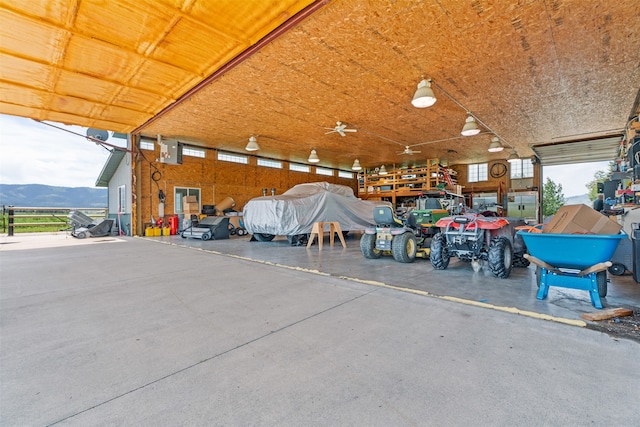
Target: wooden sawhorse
[318, 230]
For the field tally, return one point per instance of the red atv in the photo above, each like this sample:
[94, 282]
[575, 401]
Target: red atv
[476, 238]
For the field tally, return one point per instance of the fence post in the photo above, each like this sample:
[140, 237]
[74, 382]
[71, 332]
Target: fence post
[10, 233]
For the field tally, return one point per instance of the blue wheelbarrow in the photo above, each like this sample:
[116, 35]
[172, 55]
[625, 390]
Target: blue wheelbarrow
[576, 261]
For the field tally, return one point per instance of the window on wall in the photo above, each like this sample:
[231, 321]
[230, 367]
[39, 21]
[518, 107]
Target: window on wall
[122, 199]
[343, 174]
[478, 172]
[193, 152]
[270, 163]
[147, 145]
[299, 168]
[234, 158]
[324, 171]
[522, 168]
[180, 192]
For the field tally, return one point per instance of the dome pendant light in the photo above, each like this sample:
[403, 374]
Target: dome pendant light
[252, 145]
[424, 96]
[495, 145]
[513, 157]
[313, 157]
[470, 127]
[356, 165]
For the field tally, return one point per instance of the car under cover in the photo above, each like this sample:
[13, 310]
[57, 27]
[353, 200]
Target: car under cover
[294, 212]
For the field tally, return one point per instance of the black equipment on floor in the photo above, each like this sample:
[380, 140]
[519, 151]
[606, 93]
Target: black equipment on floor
[209, 228]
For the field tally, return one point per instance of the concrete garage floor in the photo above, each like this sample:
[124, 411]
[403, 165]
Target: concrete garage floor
[130, 331]
[457, 281]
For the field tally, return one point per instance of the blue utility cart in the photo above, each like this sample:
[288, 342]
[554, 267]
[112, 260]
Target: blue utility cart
[577, 261]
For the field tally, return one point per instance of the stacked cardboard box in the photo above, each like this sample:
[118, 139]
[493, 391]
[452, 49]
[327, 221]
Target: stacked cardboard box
[581, 219]
[190, 205]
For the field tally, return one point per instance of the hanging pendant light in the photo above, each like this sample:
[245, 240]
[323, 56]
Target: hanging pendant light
[495, 145]
[313, 157]
[382, 171]
[356, 165]
[424, 96]
[513, 157]
[470, 126]
[252, 145]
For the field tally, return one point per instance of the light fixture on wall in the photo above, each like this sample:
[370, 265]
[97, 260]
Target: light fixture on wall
[470, 126]
[424, 96]
[513, 157]
[495, 145]
[356, 165]
[382, 171]
[252, 145]
[313, 157]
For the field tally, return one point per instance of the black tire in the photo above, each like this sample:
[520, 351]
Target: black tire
[298, 240]
[438, 252]
[206, 236]
[601, 281]
[81, 235]
[263, 237]
[368, 246]
[519, 261]
[500, 257]
[617, 269]
[404, 247]
[184, 236]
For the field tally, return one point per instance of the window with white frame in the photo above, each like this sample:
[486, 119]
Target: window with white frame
[299, 168]
[122, 199]
[180, 192]
[521, 168]
[234, 158]
[344, 174]
[193, 152]
[270, 163]
[147, 145]
[324, 171]
[478, 172]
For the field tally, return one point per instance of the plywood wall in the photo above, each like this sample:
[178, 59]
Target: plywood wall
[216, 180]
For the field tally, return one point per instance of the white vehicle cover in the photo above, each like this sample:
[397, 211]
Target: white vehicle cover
[295, 211]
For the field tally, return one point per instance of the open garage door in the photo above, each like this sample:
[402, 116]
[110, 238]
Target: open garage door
[578, 151]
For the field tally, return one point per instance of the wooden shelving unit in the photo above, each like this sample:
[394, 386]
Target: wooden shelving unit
[399, 184]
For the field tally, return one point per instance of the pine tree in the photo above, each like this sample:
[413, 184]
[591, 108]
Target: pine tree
[552, 198]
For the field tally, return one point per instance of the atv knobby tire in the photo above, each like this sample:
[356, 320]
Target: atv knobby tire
[404, 247]
[368, 246]
[500, 257]
[263, 237]
[438, 252]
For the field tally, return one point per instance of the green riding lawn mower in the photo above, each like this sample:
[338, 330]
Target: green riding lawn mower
[409, 237]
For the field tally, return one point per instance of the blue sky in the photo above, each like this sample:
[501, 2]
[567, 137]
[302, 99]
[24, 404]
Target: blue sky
[34, 153]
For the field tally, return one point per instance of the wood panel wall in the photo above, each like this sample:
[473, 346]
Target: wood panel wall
[501, 185]
[216, 180]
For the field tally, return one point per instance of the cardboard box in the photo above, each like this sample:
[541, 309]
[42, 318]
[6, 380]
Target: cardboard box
[189, 199]
[191, 208]
[581, 219]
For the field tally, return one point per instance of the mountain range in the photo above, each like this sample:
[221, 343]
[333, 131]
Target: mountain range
[46, 196]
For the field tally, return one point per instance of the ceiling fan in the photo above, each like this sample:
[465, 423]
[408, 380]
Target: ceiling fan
[409, 151]
[340, 128]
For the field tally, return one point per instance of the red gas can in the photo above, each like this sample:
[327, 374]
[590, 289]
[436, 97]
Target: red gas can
[173, 224]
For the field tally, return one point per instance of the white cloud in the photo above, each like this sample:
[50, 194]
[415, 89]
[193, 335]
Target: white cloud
[574, 177]
[35, 153]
